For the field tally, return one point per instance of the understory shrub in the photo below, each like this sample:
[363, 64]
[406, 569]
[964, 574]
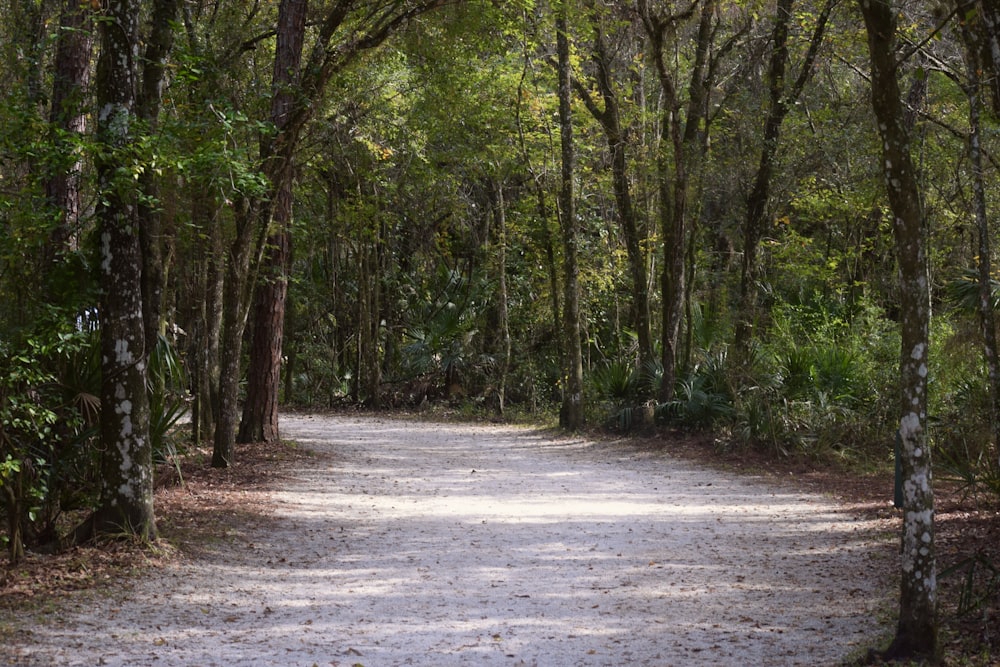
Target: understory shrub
[817, 383]
[49, 422]
[47, 425]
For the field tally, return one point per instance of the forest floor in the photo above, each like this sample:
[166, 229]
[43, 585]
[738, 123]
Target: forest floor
[381, 541]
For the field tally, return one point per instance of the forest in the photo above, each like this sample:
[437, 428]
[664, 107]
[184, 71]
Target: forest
[768, 221]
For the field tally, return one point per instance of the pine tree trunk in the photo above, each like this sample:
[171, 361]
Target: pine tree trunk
[917, 629]
[70, 81]
[260, 412]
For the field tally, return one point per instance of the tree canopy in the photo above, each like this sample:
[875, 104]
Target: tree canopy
[772, 221]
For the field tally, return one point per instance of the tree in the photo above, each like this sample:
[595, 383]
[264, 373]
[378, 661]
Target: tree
[345, 30]
[571, 414]
[499, 211]
[681, 130]
[780, 101]
[71, 78]
[609, 115]
[917, 630]
[260, 411]
[127, 482]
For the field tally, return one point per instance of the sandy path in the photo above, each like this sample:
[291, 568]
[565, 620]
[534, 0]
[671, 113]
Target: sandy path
[442, 545]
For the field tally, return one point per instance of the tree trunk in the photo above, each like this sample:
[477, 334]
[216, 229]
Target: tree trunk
[610, 119]
[503, 316]
[207, 321]
[74, 49]
[571, 415]
[990, 51]
[682, 135]
[369, 323]
[14, 497]
[760, 194]
[159, 43]
[235, 297]
[917, 629]
[127, 482]
[987, 315]
[260, 412]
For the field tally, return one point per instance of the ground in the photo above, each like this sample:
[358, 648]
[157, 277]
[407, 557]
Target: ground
[213, 508]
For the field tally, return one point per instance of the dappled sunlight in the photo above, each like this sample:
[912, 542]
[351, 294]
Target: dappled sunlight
[465, 545]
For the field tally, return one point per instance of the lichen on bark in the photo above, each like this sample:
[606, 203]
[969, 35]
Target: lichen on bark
[916, 632]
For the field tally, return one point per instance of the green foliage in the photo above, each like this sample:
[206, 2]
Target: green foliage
[615, 380]
[443, 330]
[44, 433]
[960, 403]
[959, 408]
[820, 384]
[49, 417]
[810, 372]
[963, 291]
[614, 386]
[167, 386]
[696, 404]
[972, 468]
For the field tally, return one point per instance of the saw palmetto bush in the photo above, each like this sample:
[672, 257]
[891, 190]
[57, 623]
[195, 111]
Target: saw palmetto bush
[47, 427]
[819, 384]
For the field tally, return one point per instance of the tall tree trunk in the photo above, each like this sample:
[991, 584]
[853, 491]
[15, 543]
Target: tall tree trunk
[917, 629]
[260, 410]
[371, 323]
[682, 135]
[987, 315]
[208, 322]
[127, 482]
[239, 271]
[159, 43]
[779, 102]
[610, 119]
[498, 205]
[571, 415]
[74, 49]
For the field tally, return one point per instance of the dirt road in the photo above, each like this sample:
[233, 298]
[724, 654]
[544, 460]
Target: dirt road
[445, 545]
